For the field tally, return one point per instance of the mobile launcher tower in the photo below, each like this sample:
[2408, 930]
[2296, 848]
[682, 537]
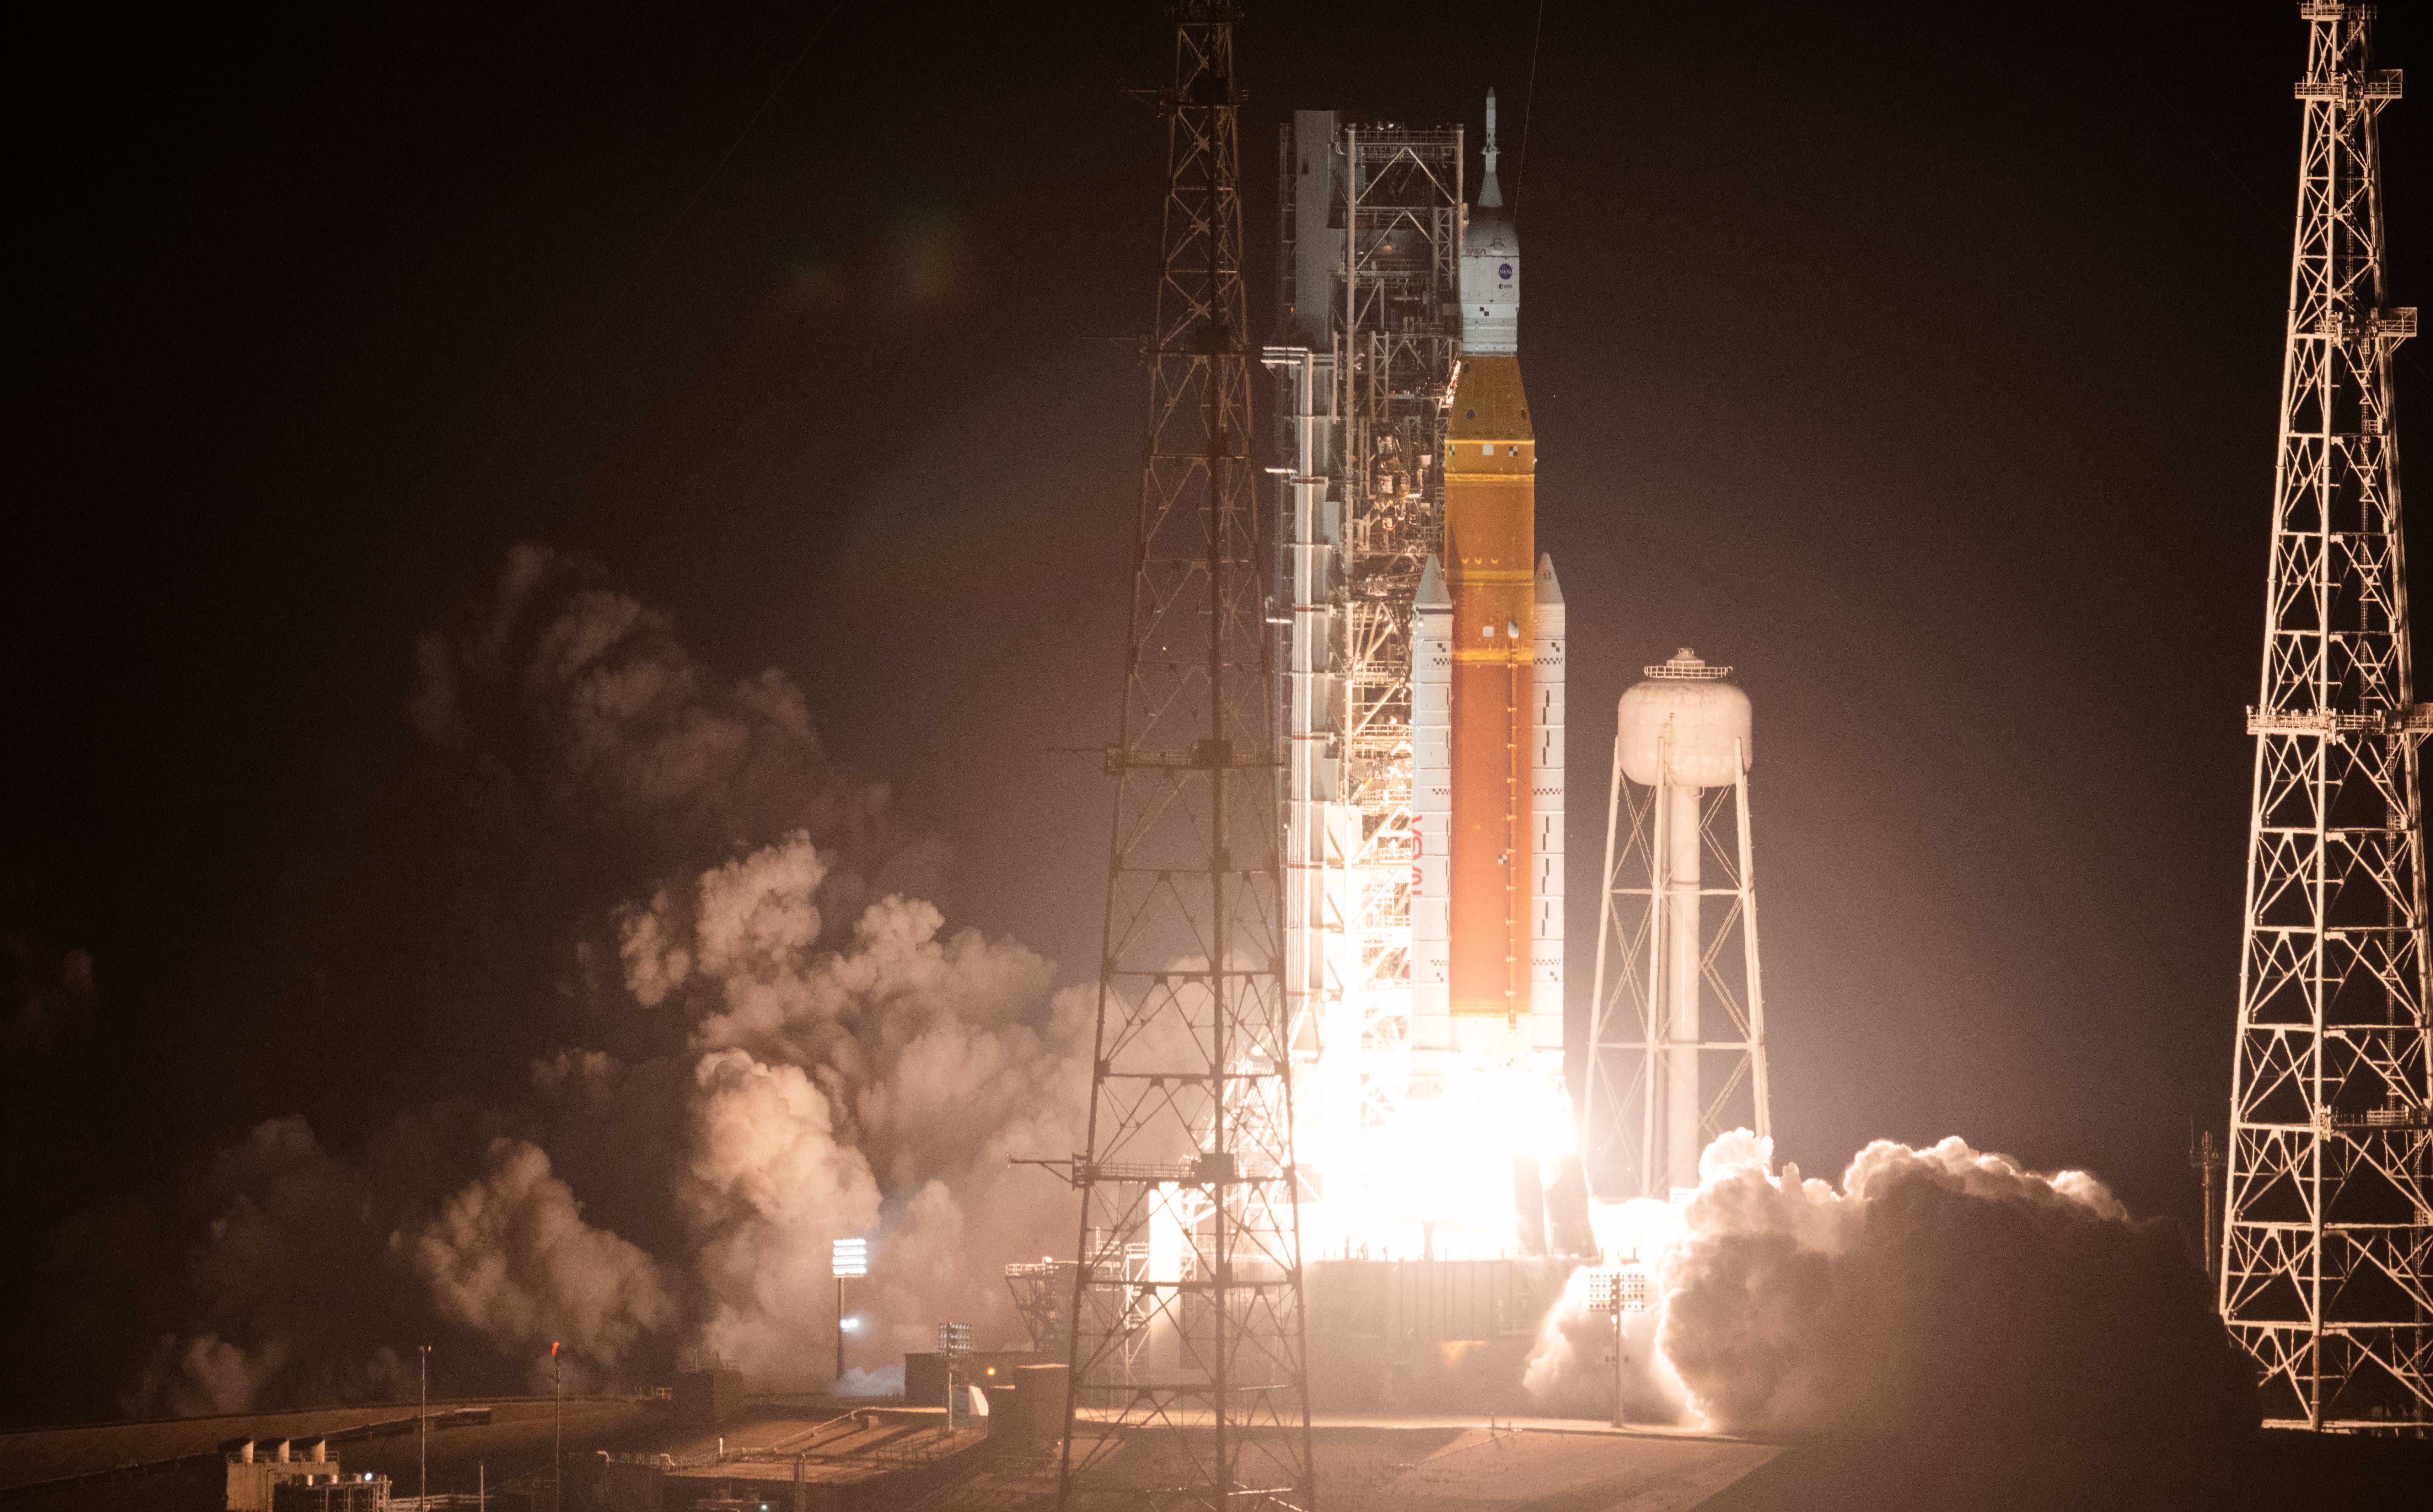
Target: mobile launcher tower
[1420, 641]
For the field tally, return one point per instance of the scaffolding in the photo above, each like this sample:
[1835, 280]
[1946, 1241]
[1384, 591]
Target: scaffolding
[1043, 1299]
[1370, 219]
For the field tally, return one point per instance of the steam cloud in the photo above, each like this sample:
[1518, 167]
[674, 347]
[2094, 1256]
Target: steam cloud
[819, 1058]
[1938, 1288]
[768, 1039]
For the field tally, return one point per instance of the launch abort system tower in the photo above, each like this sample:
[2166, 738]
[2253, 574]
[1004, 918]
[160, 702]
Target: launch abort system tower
[2327, 1236]
[1189, 1389]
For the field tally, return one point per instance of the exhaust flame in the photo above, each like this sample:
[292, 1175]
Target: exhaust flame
[1437, 1179]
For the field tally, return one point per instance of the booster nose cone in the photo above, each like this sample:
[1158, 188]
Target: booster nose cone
[1490, 266]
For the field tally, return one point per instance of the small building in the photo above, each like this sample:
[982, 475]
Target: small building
[258, 1467]
[924, 1380]
[1026, 1403]
[925, 1375]
[707, 1390]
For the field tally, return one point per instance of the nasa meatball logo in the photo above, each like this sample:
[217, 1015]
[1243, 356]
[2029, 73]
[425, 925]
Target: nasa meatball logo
[1504, 272]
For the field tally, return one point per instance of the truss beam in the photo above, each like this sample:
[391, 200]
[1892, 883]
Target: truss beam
[2326, 1260]
[1670, 973]
[1190, 1387]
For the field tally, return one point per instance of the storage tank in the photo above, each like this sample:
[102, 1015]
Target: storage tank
[1703, 715]
[1689, 729]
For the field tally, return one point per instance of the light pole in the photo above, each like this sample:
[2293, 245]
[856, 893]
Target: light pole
[557, 1430]
[422, 1434]
[1620, 1290]
[846, 1257]
[954, 1346]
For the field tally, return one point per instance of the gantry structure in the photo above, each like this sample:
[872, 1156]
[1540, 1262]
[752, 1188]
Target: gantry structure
[2326, 1273]
[1188, 1360]
[1370, 218]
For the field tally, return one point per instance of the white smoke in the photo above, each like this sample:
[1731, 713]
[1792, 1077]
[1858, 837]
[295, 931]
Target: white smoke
[856, 1381]
[823, 1059]
[1572, 1369]
[896, 1075]
[279, 1271]
[510, 1256]
[1936, 1289]
[571, 710]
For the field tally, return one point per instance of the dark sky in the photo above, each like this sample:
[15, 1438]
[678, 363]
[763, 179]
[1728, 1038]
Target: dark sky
[1919, 362]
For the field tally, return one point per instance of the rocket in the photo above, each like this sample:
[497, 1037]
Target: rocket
[1488, 715]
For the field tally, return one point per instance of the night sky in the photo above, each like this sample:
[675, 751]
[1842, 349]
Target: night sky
[1919, 363]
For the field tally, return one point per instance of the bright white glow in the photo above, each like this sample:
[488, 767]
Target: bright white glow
[1435, 1176]
[849, 1257]
[851, 1325]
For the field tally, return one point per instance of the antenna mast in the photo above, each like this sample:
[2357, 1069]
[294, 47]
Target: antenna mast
[2327, 1239]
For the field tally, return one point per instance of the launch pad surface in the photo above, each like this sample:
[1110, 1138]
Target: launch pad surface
[1365, 1462]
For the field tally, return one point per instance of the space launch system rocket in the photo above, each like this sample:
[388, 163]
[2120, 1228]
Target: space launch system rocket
[1487, 706]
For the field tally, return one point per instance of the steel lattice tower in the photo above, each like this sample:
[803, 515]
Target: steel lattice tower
[2327, 1240]
[1188, 1355]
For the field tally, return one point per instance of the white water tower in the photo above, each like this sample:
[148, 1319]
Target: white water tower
[1677, 1049]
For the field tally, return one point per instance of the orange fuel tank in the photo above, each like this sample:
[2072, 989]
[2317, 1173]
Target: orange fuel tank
[1491, 573]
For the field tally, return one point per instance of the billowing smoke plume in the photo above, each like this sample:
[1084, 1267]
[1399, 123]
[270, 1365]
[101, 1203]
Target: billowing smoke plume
[902, 1071]
[278, 1279]
[784, 1046]
[1937, 1289]
[573, 710]
[1570, 1370]
[510, 1256]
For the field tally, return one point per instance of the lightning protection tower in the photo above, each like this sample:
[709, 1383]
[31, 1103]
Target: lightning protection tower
[1189, 1357]
[1676, 1050]
[2327, 1239]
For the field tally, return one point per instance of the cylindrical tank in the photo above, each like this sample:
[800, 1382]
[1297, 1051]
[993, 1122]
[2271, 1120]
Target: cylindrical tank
[1703, 716]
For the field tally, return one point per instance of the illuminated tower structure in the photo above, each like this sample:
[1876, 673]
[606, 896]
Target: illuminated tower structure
[2326, 1272]
[1676, 1042]
[1369, 226]
[1189, 1385]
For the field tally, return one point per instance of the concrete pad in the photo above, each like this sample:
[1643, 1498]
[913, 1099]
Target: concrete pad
[2277, 1470]
[1507, 1471]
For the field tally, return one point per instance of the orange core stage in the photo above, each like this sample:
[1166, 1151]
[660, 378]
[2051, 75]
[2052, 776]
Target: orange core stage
[1490, 568]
